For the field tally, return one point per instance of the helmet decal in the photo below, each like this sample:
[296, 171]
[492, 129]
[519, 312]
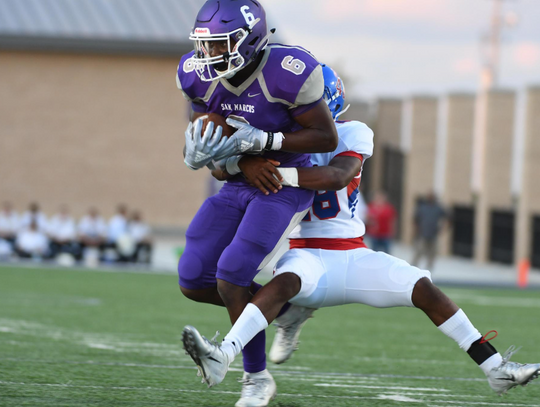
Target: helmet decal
[334, 91]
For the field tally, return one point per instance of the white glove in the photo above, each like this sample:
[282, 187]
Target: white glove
[217, 165]
[201, 150]
[250, 139]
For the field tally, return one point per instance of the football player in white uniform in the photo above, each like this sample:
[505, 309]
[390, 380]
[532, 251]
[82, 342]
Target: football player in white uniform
[329, 264]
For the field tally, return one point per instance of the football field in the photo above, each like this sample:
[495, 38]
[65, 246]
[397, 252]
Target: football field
[94, 338]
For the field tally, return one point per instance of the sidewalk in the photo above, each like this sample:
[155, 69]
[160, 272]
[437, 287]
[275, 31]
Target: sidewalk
[448, 270]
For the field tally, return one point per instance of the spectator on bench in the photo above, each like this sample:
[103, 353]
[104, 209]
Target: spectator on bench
[92, 231]
[31, 242]
[62, 233]
[9, 223]
[140, 232]
[34, 214]
[117, 236]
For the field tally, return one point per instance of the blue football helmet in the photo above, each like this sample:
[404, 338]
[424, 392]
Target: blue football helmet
[334, 91]
[241, 24]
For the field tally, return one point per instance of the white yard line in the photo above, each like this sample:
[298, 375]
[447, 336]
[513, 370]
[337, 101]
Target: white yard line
[296, 395]
[317, 376]
[426, 394]
[386, 360]
[378, 387]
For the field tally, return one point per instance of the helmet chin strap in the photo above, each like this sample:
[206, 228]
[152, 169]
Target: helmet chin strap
[343, 111]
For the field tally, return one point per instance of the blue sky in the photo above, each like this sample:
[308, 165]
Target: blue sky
[386, 48]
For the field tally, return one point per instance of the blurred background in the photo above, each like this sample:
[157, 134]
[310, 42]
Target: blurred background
[90, 117]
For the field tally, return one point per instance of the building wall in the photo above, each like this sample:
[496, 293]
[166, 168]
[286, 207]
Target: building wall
[420, 160]
[495, 191]
[387, 131]
[95, 130]
[529, 200]
[459, 149]
[531, 182]
[459, 145]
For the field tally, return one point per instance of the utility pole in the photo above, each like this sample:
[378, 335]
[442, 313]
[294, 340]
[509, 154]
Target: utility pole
[489, 76]
[491, 43]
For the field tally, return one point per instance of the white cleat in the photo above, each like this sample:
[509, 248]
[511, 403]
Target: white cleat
[258, 389]
[511, 374]
[212, 362]
[288, 327]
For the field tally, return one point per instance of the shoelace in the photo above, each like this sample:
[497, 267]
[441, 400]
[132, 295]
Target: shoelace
[508, 354]
[214, 339]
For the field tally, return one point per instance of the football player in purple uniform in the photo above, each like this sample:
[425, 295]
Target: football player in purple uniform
[272, 94]
[329, 264]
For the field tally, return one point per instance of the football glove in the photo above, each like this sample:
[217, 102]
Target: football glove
[201, 150]
[250, 139]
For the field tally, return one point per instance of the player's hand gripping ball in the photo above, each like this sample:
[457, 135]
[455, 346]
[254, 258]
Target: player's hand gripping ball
[218, 120]
[203, 147]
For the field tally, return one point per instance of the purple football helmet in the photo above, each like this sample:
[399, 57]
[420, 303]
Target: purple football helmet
[241, 24]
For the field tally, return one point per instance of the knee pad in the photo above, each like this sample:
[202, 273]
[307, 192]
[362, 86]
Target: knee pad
[238, 263]
[193, 274]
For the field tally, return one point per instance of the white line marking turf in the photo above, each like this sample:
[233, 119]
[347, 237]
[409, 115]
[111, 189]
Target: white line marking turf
[316, 375]
[378, 387]
[323, 396]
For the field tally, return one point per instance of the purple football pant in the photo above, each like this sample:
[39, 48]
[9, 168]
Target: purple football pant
[233, 236]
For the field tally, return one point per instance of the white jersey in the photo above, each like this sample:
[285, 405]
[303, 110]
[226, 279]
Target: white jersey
[334, 214]
[9, 223]
[62, 227]
[327, 252]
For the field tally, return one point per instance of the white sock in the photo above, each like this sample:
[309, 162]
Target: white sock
[249, 324]
[460, 329]
[492, 362]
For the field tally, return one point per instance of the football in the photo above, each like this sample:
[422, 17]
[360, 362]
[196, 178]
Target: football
[218, 120]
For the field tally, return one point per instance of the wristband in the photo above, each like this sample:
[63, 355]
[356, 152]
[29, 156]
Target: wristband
[232, 165]
[290, 177]
[274, 141]
[269, 140]
[218, 165]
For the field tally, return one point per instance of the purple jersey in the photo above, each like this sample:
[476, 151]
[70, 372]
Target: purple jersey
[287, 82]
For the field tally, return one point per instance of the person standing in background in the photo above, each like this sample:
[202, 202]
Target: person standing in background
[381, 219]
[429, 219]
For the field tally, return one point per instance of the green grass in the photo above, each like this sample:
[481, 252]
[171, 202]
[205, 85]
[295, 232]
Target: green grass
[88, 338]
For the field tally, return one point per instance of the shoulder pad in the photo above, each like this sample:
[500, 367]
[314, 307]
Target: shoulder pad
[189, 82]
[357, 136]
[291, 75]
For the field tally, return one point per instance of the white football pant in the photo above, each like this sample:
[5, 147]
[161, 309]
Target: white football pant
[335, 277]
